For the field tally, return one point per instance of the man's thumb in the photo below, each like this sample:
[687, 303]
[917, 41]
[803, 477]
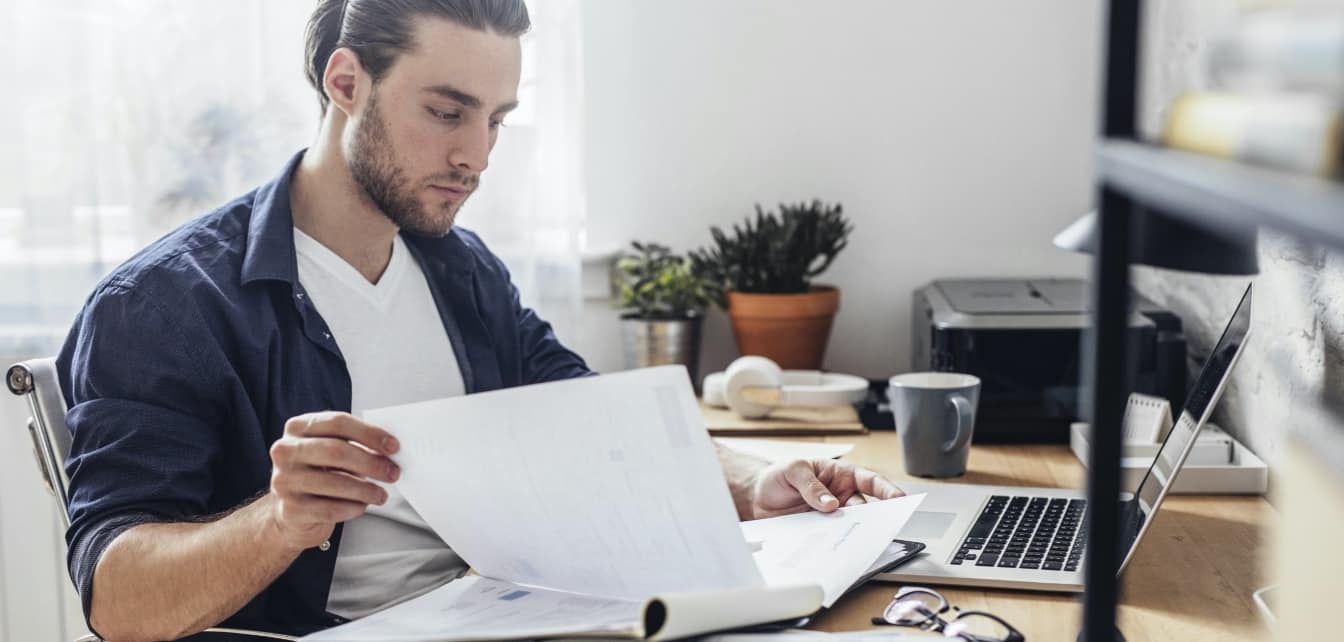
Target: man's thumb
[815, 493]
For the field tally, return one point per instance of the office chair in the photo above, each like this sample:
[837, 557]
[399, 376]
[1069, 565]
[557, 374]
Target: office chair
[36, 380]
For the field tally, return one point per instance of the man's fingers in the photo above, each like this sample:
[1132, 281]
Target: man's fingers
[341, 455]
[801, 476]
[342, 425]
[855, 500]
[329, 484]
[871, 483]
[323, 452]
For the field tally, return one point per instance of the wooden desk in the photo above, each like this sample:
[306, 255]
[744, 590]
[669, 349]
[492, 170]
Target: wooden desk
[1191, 578]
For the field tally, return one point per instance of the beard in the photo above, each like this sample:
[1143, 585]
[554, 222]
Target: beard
[375, 169]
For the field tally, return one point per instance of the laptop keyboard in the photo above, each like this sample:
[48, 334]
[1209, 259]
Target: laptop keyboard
[1044, 533]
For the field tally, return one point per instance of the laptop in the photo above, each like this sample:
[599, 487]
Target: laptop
[1032, 538]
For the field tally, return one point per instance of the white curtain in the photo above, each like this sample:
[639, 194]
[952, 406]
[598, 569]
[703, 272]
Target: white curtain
[530, 207]
[125, 118]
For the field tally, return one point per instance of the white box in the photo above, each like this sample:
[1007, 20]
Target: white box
[1246, 475]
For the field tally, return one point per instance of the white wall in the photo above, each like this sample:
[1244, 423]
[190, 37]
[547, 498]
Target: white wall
[956, 134]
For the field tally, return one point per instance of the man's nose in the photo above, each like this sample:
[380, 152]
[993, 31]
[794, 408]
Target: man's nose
[472, 149]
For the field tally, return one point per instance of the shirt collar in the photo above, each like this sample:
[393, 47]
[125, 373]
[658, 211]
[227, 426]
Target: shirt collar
[449, 250]
[270, 232]
[270, 236]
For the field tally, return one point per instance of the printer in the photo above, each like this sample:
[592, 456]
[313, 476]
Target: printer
[1024, 339]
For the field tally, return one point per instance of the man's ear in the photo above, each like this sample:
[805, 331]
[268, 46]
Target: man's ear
[342, 79]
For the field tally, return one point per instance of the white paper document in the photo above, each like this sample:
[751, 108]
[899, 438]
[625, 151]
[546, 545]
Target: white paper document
[829, 549]
[823, 552]
[478, 608]
[603, 485]
[597, 507]
[773, 450]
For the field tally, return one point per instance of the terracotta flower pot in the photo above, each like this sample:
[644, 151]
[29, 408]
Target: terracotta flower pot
[790, 329]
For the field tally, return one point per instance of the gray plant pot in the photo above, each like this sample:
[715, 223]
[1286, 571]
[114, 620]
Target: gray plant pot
[659, 342]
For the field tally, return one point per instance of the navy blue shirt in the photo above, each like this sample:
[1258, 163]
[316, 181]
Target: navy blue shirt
[186, 361]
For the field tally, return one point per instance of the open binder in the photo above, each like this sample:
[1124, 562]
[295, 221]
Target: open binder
[468, 609]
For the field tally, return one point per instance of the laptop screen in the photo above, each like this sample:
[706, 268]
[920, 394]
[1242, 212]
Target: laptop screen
[1198, 406]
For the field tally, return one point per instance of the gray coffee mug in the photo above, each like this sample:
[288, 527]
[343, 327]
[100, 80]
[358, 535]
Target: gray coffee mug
[935, 416]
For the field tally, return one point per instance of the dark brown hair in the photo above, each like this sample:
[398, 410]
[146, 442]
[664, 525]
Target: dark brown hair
[379, 30]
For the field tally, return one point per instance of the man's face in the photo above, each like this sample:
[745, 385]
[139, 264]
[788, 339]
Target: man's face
[425, 132]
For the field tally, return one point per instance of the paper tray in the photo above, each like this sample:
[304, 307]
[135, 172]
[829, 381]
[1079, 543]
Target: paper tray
[1247, 475]
[833, 420]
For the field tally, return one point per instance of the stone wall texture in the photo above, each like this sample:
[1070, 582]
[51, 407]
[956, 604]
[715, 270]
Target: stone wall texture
[1291, 375]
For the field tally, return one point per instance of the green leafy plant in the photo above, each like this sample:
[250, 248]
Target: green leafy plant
[774, 254]
[655, 283]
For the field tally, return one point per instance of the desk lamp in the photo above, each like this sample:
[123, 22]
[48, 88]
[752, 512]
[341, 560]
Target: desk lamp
[1164, 242]
[1155, 240]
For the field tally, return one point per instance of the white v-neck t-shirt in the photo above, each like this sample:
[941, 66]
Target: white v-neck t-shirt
[397, 352]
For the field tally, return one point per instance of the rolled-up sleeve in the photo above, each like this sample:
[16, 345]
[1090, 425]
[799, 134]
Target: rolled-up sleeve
[144, 419]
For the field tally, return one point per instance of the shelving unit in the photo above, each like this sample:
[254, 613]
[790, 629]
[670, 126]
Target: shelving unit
[1208, 193]
[1221, 194]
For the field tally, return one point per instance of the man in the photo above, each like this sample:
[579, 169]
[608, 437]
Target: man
[218, 471]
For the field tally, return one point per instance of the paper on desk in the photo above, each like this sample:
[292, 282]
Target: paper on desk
[603, 485]
[830, 549]
[773, 450]
[478, 608]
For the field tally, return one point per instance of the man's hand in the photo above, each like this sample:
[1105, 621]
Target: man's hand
[815, 484]
[320, 474]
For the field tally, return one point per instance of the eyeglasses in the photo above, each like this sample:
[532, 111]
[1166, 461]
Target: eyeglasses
[923, 608]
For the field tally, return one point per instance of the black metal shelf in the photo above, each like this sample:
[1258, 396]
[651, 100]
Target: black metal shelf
[1208, 193]
[1221, 194]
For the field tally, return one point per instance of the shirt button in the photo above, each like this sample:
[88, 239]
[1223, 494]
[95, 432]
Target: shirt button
[324, 546]
[300, 296]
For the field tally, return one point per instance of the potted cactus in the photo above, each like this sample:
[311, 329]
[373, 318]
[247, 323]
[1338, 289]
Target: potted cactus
[664, 303]
[762, 272]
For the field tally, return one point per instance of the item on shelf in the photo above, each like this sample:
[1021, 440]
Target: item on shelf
[1281, 50]
[1294, 132]
[1147, 419]
[763, 273]
[1207, 468]
[664, 305]
[1022, 338]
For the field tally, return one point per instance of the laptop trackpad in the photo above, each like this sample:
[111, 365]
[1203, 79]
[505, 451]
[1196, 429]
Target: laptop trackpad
[926, 525]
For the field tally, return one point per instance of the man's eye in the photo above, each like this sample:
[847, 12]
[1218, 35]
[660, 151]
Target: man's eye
[444, 115]
[496, 124]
